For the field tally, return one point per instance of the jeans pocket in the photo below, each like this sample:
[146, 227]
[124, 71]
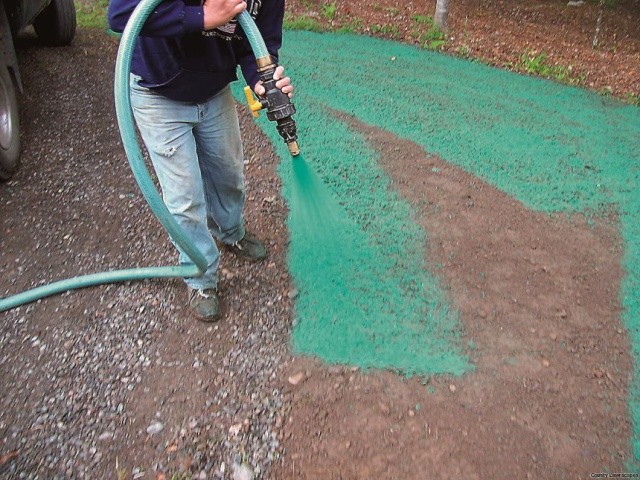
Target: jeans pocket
[134, 84]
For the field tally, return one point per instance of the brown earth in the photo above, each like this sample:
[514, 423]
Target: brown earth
[537, 294]
[500, 32]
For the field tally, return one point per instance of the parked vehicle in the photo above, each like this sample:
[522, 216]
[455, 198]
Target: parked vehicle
[54, 21]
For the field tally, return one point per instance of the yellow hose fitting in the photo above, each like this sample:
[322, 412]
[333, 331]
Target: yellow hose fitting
[254, 105]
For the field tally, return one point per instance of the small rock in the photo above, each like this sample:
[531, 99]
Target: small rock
[545, 363]
[105, 436]
[242, 472]
[235, 429]
[575, 3]
[293, 293]
[453, 388]
[297, 378]
[155, 427]
[553, 336]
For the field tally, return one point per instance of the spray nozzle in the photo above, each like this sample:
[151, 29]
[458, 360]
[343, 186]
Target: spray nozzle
[278, 105]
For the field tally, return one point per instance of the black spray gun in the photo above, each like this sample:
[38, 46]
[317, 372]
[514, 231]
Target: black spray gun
[278, 105]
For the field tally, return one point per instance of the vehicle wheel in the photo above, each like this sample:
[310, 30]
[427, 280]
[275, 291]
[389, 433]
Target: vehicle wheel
[56, 25]
[9, 126]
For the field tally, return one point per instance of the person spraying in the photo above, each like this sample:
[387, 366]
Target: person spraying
[184, 60]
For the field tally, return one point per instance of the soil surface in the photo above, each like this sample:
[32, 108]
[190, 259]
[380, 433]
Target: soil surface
[119, 382]
[500, 32]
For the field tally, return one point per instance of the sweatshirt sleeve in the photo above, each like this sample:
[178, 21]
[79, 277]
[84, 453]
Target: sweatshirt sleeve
[172, 18]
[269, 22]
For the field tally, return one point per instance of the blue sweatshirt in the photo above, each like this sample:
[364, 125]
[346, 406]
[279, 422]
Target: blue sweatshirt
[176, 58]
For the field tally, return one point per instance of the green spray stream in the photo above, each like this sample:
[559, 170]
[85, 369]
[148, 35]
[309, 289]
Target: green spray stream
[364, 301]
[140, 172]
[357, 258]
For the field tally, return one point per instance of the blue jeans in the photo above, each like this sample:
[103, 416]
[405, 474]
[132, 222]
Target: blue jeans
[196, 151]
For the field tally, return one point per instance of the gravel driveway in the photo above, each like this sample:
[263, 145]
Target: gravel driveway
[118, 380]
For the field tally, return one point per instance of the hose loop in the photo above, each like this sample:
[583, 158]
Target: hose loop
[141, 174]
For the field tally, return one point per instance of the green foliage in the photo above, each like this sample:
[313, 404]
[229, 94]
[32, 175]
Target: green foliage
[427, 33]
[388, 30]
[611, 4]
[464, 51]
[91, 14]
[329, 10]
[422, 19]
[538, 64]
[351, 26]
[302, 23]
[606, 92]
[632, 99]
[181, 476]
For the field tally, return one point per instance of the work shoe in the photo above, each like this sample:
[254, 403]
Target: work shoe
[205, 304]
[249, 247]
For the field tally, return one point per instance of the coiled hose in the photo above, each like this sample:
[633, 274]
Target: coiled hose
[126, 125]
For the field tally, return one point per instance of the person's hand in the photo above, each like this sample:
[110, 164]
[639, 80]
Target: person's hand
[283, 83]
[218, 12]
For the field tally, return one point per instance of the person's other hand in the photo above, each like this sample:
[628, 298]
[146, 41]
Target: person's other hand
[283, 83]
[219, 12]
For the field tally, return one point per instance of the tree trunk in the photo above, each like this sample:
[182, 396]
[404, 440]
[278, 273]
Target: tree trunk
[596, 38]
[442, 12]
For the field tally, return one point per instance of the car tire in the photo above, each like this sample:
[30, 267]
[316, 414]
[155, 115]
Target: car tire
[9, 126]
[56, 24]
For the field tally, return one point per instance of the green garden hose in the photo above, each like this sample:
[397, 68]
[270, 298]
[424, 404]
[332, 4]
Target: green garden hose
[140, 172]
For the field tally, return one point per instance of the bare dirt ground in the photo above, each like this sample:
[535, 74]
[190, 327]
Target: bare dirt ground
[500, 32]
[120, 378]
